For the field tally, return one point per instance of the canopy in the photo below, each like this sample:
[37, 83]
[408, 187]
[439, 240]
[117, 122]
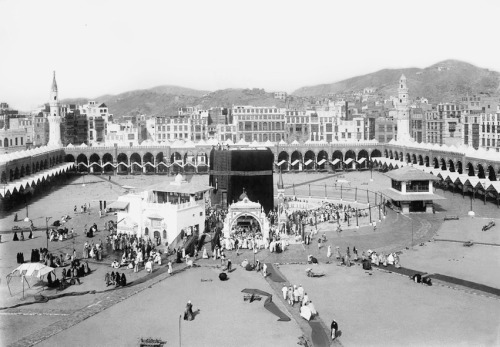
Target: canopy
[281, 162]
[335, 161]
[31, 270]
[348, 161]
[295, 162]
[321, 161]
[37, 270]
[361, 160]
[118, 205]
[308, 162]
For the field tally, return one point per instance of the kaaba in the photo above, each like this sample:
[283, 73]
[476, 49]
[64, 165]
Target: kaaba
[237, 169]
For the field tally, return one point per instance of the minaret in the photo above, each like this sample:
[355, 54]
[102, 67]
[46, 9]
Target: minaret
[54, 118]
[403, 111]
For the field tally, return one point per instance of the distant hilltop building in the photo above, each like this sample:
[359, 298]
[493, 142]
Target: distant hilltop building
[280, 95]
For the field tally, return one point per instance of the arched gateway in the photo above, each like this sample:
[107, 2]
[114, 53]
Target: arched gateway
[246, 211]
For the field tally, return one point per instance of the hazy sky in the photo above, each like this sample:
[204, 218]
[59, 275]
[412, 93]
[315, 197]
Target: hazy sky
[108, 47]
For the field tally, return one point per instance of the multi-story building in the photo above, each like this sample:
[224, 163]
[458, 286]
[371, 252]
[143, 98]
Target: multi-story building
[23, 122]
[417, 124]
[226, 132]
[171, 128]
[199, 125]
[12, 140]
[124, 133]
[483, 103]
[40, 130]
[297, 125]
[482, 130]
[433, 127]
[444, 124]
[349, 130]
[261, 124]
[385, 129]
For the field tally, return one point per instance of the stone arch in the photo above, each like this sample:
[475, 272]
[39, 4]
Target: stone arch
[176, 157]
[491, 173]
[459, 167]
[122, 163]
[135, 163]
[23, 172]
[283, 155]
[11, 175]
[470, 169]
[107, 161]
[37, 167]
[245, 214]
[28, 169]
[3, 178]
[16, 173]
[401, 156]
[386, 153]
[396, 155]
[442, 164]
[420, 160]
[160, 158]
[408, 158]
[451, 166]
[391, 156]
[480, 171]
[427, 161]
[350, 154]
[322, 155]
[340, 156]
[82, 162]
[45, 164]
[363, 154]
[376, 153]
[6, 142]
[309, 156]
[435, 163]
[69, 158]
[296, 156]
[414, 159]
[189, 157]
[148, 158]
[95, 163]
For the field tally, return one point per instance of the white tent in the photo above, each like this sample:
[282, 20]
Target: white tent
[36, 270]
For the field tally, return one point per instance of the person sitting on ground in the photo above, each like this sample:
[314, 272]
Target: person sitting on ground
[244, 263]
[188, 313]
[312, 260]
[118, 280]
[123, 280]
[115, 264]
[112, 278]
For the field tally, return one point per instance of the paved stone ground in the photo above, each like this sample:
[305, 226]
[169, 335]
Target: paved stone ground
[478, 263]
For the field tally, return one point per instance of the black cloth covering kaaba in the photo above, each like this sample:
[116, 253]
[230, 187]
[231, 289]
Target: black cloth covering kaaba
[269, 304]
[233, 170]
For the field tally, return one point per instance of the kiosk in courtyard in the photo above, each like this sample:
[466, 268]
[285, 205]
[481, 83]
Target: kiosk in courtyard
[412, 190]
[163, 211]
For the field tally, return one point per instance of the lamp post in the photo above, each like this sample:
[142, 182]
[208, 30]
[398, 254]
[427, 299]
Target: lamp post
[371, 170]
[471, 212]
[47, 230]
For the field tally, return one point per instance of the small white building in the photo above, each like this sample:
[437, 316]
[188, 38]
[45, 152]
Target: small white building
[163, 210]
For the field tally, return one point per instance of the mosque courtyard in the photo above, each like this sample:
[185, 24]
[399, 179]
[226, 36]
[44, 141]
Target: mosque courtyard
[373, 308]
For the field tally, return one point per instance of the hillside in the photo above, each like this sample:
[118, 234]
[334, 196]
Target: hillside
[165, 100]
[444, 81]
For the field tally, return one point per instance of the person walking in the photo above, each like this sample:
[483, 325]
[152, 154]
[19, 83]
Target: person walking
[334, 328]
[285, 291]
